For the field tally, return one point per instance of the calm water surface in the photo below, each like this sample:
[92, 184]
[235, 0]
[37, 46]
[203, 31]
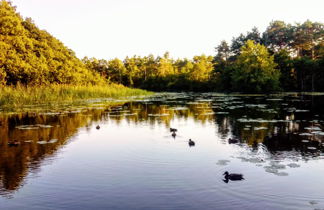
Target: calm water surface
[59, 160]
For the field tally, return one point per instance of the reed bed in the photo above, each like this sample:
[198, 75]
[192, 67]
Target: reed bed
[33, 95]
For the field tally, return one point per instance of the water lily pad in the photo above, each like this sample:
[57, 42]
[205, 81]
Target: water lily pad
[271, 170]
[293, 165]
[281, 174]
[158, 115]
[305, 134]
[260, 128]
[313, 202]
[208, 113]
[313, 128]
[222, 162]
[52, 141]
[27, 127]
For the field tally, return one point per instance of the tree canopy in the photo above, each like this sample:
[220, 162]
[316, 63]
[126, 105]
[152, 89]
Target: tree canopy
[29, 55]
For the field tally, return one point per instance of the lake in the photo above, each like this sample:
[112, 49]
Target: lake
[58, 159]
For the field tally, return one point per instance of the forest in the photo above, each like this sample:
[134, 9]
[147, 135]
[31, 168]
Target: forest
[285, 57]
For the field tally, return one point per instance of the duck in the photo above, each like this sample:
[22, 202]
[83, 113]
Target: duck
[13, 144]
[173, 130]
[233, 141]
[191, 143]
[232, 177]
[98, 127]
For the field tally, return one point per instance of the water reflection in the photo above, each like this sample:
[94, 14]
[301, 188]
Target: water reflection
[269, 129]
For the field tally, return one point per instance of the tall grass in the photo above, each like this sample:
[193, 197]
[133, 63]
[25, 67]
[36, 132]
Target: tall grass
[32, 95]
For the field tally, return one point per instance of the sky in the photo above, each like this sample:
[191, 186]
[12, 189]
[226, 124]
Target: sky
[106, 29]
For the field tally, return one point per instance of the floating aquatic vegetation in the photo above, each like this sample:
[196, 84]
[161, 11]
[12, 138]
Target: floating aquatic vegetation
[293, 165]
[277, 165]
[259, 120]
[52, 141]
[204, 100]
[222, 112]
[115, 115]
[301, 110]
[313, 202]
[208, 113]
[313, 128]
[251, 160]
[305, 134]
[292, 109]
[274, 99]
[158, 115]
[271, 170]
[222, 162]
[44, 126]
[130, 114]
[260, 128]
[235, 107]
[32, 127]
[262, 106]
[179, 108]
[27, 127]
[281, 174]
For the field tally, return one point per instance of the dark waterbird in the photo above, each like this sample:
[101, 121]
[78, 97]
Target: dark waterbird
[173, 130]
[98, 127]
[232, 177]
[191, 143]
[233, 141]
[13, 144]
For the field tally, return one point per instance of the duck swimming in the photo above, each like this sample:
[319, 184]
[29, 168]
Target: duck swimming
[233, 141]
[232, 177]
[191, 143]
[173, 130]
[13, 144]
[98, 127]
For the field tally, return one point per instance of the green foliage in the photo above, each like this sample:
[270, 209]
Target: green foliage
[288, 74]
[19, 96]
[29, 55]
[161, 73]
[255, 70]
[298, 51]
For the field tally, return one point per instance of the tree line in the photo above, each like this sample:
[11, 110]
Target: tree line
[285, 57]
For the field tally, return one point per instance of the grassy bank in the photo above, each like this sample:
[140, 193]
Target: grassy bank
[20, 96]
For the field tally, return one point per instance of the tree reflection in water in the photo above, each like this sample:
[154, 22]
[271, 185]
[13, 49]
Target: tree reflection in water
[274, 128]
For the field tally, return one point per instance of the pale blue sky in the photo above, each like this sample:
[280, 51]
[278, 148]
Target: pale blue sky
[117, 28]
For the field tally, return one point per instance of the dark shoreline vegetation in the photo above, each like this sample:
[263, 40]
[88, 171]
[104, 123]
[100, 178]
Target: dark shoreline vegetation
[36, 67]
